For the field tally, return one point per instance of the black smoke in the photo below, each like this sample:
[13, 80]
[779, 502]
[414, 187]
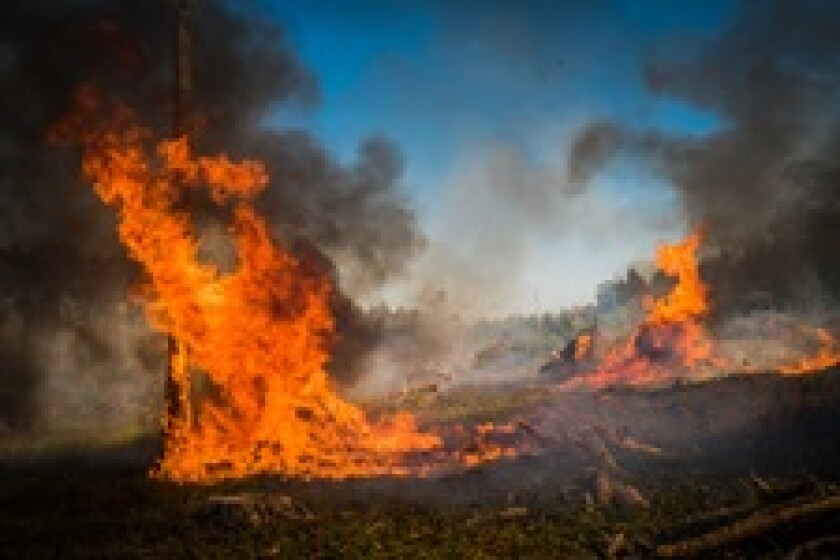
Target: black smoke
[63, 274]
[764, 184]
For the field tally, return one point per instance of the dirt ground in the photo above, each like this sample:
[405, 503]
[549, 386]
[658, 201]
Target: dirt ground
[734, 447]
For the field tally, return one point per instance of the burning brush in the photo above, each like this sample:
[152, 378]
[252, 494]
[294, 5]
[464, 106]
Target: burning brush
[672, 341]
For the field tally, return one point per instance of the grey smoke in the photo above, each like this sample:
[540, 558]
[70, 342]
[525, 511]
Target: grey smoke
[63, 275]
[764, 183]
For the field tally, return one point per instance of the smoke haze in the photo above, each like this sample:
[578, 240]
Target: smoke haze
[762, 183]
[70, 347]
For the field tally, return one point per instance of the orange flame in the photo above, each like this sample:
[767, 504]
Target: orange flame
[583, 347]
[671, 336]
[827, 355]
[672, 342]
[689, 298]
[261, 332]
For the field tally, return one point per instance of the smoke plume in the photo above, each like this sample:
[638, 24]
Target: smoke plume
[763, 184]
[64, 278]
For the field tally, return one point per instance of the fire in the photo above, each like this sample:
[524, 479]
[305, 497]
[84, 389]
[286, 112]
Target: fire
[672, 342]
[828, 354]
[488, 442]
[583, 347]
[261, 332]
[689, 298]
[672, 335]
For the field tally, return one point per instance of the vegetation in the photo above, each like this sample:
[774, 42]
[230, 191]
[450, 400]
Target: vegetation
[108, 513]
[86, 502]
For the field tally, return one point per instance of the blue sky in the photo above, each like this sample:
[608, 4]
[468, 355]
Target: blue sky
[445, 80]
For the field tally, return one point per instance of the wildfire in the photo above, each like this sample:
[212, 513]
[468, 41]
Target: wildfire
[672, 342]
[261, 333]
[672, 335]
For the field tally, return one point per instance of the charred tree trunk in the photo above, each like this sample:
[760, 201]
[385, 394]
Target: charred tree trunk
[177, 384]
[183, 68]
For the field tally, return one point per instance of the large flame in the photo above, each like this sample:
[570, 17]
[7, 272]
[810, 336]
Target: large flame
[260, 332]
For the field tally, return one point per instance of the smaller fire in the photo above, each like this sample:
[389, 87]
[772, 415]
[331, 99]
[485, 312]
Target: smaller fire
[672, 335]
[582, 347]
[672, 342]
[828, 354]
[486, 445]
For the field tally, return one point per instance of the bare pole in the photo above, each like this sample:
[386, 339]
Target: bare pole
[183, 68]
[177, 383]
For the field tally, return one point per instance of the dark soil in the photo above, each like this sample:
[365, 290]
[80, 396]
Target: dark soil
[98, 502]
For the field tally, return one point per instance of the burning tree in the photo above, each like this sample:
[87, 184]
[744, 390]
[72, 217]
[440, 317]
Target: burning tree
[261, 332]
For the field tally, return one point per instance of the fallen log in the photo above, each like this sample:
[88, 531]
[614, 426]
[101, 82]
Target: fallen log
[253, 508]
[592, 442]
[632, 444]
[541, 439]
[819, 546]
[748, 527]
[609, 491]
[626, 442]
